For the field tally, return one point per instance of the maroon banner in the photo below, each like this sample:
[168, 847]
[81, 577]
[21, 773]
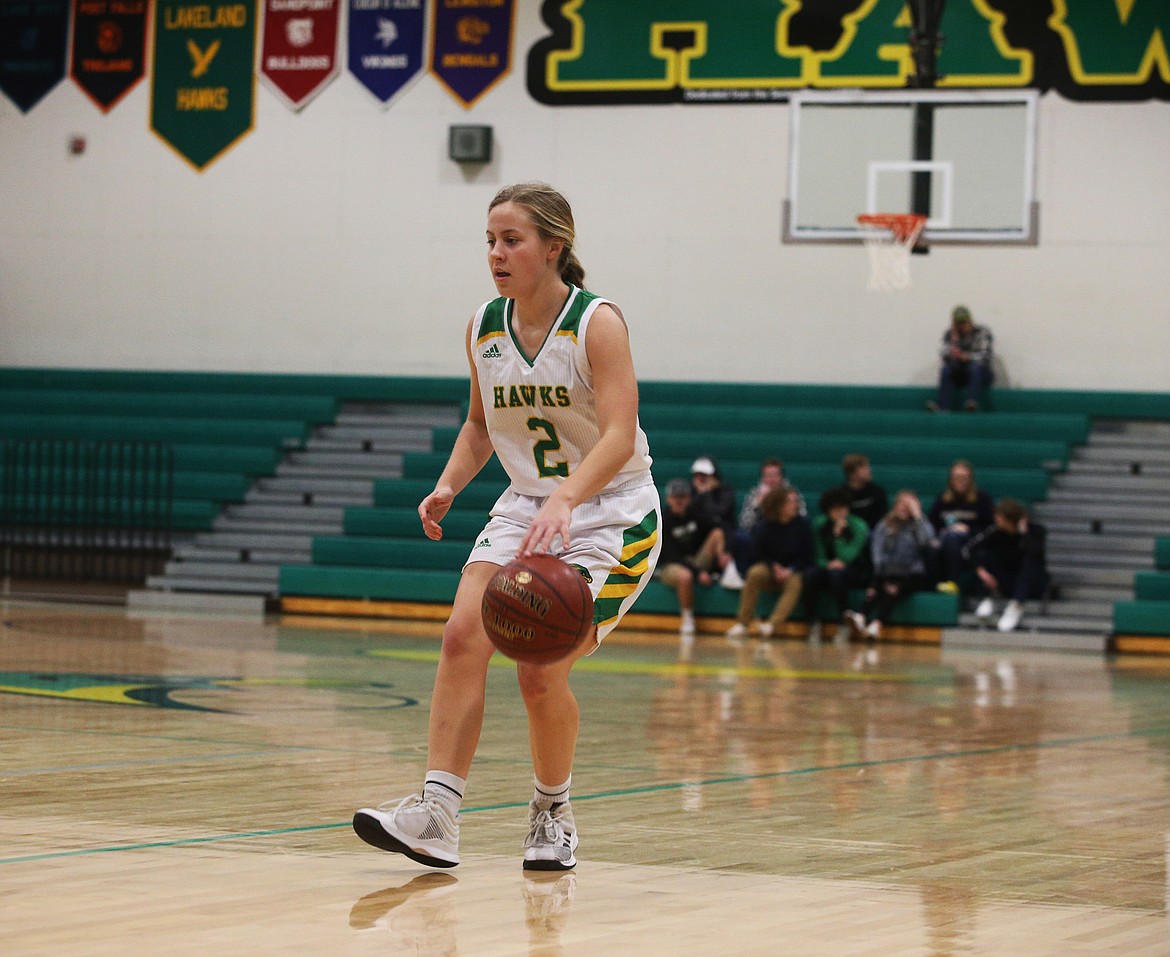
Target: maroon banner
[471, 46]
[298, 56]
[109, 48]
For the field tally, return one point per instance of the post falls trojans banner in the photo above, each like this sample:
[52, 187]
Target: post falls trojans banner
[298, 52]
[386, 44]
[203, 90]
[471, 50]
[109, 48]
[33, 47]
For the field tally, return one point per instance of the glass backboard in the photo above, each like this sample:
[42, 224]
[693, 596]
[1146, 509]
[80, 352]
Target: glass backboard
[966, 160]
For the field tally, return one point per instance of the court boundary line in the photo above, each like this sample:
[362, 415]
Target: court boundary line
[620, 792]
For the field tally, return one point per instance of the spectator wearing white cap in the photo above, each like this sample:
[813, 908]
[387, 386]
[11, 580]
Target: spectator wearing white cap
[716, 502]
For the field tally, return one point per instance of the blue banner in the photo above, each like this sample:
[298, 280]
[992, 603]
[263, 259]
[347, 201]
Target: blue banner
[386, 44]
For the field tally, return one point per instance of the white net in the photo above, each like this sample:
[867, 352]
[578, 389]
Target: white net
[889, 240]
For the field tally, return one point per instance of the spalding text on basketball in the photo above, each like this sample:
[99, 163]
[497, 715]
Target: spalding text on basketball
[515, 590]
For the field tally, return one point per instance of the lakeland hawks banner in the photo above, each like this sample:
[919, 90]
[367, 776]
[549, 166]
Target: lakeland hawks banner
[32, 48]
[386, 44]
[109, 48]
[298, 54]
[472, 46]
[202, 97]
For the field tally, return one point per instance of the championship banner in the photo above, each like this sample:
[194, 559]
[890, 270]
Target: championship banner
[203, 90]
[109, 48]
[386, 44]
[33, 47]
[471, 49]
[298, 52]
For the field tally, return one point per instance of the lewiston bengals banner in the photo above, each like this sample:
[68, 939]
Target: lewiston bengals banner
[33, 48]
[203, 91]
[109, 48]
[386, 44]
[471, 49]
[298, 52]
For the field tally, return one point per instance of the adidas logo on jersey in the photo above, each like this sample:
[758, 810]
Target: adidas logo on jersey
[493, 352]
[484, 542]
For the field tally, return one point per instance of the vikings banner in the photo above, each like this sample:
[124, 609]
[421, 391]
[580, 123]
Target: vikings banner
[386, 44]
[109, 48]
[471, 50]
[32, 48]
[298, 53]
[202, 97]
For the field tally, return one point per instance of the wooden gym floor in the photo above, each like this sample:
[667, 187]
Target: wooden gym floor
[183, 785]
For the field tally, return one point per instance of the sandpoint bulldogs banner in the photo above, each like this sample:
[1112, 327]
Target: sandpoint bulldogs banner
[298, 52]
[386, 44]
[109, 48]
[203, 90]
[472, 46]
[33, 46]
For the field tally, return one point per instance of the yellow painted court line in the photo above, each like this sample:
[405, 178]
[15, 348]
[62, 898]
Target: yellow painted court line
[599, 666]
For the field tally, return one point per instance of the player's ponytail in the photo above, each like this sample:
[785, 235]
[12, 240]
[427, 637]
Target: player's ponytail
[553, 218]
[572, 271]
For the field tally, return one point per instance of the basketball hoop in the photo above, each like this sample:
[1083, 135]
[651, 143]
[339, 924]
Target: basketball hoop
[889, 238]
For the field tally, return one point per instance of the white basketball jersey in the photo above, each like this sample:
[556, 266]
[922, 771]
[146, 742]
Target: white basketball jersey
[540, 411]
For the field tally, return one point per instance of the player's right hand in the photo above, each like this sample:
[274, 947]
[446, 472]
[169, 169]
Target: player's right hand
[433, 508]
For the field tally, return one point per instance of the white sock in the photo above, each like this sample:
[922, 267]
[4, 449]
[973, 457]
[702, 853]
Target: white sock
[446, 788]
[545, 797]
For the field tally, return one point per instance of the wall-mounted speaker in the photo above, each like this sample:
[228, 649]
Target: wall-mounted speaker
[470, 144]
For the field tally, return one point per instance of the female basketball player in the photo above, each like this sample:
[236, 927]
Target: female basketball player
[553, 394]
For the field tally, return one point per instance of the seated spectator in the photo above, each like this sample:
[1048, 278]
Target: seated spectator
[867, 499]
[899, 568]
[839, 540]
[1010, 559]
[716, 502]
[966, 362]
[688, 554]
[771, 476]
[961, 510]
[783, 546]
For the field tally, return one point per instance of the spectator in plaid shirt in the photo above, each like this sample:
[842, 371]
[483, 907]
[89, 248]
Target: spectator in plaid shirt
[966, 362]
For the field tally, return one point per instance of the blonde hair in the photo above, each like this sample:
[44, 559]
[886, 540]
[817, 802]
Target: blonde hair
[949, 493]
[893, 521]
[553, 217]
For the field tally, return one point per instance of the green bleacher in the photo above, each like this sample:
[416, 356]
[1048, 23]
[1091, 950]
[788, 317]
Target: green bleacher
[1149, 611]
[224, 429]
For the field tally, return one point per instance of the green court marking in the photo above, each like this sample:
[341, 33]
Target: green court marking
[620, 792]
[674, 669]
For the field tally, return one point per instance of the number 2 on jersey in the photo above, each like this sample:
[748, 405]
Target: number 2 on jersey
[541, 449]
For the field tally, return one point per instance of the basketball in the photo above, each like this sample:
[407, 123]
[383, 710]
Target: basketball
[537, 609]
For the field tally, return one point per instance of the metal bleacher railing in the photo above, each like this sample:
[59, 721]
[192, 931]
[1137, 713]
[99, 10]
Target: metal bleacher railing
[85, 511]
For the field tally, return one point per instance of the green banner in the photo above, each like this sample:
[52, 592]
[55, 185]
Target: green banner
[203, 90]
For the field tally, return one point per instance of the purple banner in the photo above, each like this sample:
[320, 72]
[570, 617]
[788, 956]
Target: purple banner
[471, 49]
[32, 48]
[386, 44]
